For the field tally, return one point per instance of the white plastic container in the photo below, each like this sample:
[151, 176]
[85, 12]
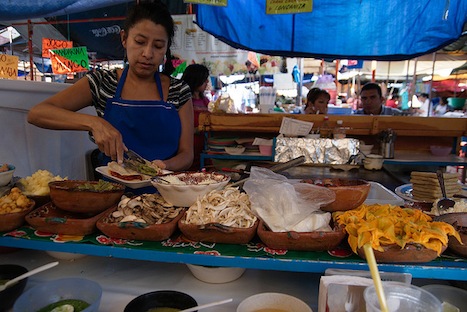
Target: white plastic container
[379, 194]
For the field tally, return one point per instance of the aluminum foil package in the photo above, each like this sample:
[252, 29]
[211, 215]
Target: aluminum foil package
[316, 151]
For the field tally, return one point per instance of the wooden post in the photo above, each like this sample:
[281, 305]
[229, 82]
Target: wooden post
[31, 58]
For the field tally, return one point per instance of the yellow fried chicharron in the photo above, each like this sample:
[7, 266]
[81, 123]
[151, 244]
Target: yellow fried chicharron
[382, 225]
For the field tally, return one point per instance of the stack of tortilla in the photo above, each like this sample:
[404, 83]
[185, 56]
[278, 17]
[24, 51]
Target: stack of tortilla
[425, 185]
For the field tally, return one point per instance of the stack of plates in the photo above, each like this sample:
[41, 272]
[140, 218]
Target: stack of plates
[218, 144]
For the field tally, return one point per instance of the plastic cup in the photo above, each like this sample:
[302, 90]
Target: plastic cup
[402, 297]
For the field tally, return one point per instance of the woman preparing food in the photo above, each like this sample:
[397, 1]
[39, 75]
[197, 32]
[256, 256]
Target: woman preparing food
[138, 107]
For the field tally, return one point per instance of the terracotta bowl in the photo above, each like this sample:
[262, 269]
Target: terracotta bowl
[132, 230]
[307, 241]
[214, 233]
[68, 196]
[350, 193]
[459, 221]
[411, 253]
[11, 221]
[40, 200]
[48, 218]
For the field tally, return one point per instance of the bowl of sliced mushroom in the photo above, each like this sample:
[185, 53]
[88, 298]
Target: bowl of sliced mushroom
[144, 217]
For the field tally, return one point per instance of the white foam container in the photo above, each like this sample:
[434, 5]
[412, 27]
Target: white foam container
[379, 194]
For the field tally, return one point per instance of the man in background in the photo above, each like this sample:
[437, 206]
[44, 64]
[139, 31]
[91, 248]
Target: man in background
[373, 102]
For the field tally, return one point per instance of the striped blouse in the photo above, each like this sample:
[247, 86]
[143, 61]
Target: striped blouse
[103, 84]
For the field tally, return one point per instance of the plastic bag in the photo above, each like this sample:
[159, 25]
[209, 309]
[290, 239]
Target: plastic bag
[287, 206]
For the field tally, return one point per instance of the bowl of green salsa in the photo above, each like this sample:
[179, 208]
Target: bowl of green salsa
[66, 294]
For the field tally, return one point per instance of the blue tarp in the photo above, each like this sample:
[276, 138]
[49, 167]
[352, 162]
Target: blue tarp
[336, 29]
[27, 9]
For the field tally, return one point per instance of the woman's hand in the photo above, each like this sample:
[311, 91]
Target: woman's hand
[108, 139]
[159, 163]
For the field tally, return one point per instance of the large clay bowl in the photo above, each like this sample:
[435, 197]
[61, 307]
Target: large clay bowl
[459, 221]
[350, 193]
[138, 231]
[215, 233]
[411, 253]
[48, 218]
[307, 241]
[11, 221]
[75, 196]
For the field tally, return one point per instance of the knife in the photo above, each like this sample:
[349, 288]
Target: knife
[139, 164]
[132, 155]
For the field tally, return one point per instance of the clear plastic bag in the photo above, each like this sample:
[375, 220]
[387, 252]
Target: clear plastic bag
[285, 205]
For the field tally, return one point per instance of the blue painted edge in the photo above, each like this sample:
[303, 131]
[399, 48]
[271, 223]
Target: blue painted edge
[445, 270]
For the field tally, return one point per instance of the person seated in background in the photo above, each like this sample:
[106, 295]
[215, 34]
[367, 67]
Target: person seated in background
[393, 101]
[317, 101]
[442, 107]
[197, 77]
[423, 99]
[373, 102]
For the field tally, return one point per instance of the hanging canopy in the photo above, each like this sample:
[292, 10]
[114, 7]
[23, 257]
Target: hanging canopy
[11, 10]
[336, 29]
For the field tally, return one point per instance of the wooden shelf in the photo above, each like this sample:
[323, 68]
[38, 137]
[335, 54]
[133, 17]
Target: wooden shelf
[359, 125]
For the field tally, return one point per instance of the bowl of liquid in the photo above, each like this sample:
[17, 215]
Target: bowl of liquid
[273, 302]
[65, 294]
[161, 301]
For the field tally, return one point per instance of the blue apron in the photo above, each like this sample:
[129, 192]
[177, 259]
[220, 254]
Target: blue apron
[150, 128]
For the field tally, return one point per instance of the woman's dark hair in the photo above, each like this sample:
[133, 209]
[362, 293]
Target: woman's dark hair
[315, 93]
[158, 13]
[195, 75]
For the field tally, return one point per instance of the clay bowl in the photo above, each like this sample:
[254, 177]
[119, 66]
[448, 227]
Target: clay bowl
[78, 196]
[134, 230]
[48, 218]
[11, 221]
[306, 241]
[459, 221]
[411, 253]
[215, 233]
[40, 200]
[350, 193]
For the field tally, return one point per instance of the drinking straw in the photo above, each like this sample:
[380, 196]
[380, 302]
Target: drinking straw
[208, 305]
[370, 259]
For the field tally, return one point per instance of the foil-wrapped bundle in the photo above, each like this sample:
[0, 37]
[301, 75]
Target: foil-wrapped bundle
[316, 151]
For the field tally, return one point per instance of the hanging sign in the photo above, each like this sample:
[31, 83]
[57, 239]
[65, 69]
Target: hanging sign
[51, 44]
[208, 2]
[191, 45]
[72, 60]
[288, 6]
[8, 66]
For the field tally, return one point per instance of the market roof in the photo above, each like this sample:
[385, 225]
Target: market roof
[335, 29]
